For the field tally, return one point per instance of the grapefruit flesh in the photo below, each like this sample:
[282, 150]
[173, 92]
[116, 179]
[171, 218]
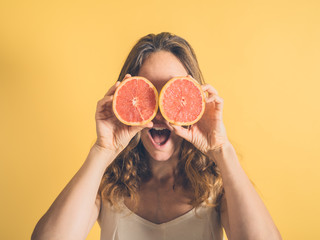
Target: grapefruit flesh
[135, 101]
[182, 101]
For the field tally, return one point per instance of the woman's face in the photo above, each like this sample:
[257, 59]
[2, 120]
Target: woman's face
[160, 142]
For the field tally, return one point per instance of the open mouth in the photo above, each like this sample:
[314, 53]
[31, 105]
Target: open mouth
[160, 135]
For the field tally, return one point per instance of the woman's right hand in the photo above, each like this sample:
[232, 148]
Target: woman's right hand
[111, 133]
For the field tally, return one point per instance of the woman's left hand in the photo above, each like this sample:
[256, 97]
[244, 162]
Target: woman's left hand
[209, 133]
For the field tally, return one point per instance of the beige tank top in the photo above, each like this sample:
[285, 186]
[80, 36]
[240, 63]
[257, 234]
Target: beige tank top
[200, 224]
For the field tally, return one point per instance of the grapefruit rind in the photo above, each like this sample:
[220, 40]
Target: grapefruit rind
[161, 99]
[114, 104]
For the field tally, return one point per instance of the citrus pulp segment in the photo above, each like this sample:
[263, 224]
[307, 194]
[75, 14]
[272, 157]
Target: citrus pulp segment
[182, 101]
[135, 101]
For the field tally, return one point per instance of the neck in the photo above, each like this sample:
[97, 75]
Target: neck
[163, 170]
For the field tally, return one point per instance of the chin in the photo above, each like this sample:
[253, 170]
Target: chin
[159, 157]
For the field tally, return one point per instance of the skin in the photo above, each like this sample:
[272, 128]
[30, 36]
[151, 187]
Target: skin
[243, 214]
[158, 201]
[159, 68]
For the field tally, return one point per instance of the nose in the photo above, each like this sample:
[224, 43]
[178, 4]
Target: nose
[158, 117]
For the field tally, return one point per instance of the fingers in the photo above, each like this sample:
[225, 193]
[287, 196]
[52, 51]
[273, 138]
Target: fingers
[133, 130]
[211, 95]
[182, 132]
[108, 97]
[105, 100]
[103, 108]
[218, 103]
[127, 76]
[139, 128]
[209, 89]
[114, 87]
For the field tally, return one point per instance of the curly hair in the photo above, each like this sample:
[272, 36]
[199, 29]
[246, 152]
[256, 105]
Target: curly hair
[195, 170]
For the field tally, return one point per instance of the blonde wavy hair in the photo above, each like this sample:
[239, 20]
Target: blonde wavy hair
[195, 170]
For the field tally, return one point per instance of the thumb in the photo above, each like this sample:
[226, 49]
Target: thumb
[133, 130]
[182, 132]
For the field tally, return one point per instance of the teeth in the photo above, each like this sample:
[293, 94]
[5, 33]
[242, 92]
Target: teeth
[159, 128]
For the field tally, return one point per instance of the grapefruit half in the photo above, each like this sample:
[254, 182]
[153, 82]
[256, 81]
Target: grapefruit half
[182, 101]
[135, 101]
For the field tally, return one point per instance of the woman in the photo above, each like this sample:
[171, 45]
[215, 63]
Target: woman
[140, 187]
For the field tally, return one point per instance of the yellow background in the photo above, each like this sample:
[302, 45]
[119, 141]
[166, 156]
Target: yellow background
[58, 58]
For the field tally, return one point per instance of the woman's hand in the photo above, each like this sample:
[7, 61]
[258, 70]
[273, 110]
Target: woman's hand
[209, 133]
[111, 133]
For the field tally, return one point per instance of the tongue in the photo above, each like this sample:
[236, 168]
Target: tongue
[160, 136]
